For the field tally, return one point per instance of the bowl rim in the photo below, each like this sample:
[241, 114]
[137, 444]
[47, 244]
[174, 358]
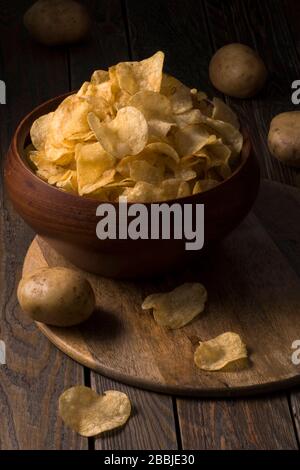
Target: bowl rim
[246, 153]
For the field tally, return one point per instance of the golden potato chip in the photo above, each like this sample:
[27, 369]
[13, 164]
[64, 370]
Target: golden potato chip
[216, 353]
[62, 154]
[184, 189]
[204, 185]
[99, 76]
[193, 116]
[133, 77]
[222, 112]
[230, 135]
[125, 135]
[91, 161]
[180, 306]
[46, 170]
[173, 188]
[107, 177]
[90, 414]
[39, 131]
[142, 192]
[162, 149]
[192, 138]
[68, 182]
[69, 120]
[177, 92]
[157, 110]
[140, 170]
[185, 173]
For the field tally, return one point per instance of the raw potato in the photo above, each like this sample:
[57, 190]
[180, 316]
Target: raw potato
[284, 138]
[237, 70]
[56, 296]
[54, 22]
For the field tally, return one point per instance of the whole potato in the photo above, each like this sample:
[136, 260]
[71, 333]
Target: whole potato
[54, 22]
[284, 138]
[56, 296]
[237, 70]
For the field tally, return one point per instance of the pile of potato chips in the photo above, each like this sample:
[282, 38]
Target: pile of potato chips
[137, 132]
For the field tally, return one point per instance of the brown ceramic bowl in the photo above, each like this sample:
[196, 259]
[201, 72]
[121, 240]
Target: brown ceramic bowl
[68, 222]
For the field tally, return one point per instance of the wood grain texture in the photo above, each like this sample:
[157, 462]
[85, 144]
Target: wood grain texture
[253, 424]
[123, 342]
[107, 44]
[35, 373]
[256, 24]
[286, 235]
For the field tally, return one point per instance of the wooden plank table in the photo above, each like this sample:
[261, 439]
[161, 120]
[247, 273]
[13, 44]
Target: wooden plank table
[36, 372]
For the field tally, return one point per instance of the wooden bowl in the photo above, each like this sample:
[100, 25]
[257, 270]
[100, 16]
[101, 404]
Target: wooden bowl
[68, 222]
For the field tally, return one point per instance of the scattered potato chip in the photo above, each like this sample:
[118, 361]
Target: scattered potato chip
[134, 131]
[218, 352]
[90, 414]
[180, 306]
[125, 135]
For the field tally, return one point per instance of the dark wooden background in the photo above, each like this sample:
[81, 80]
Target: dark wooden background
[36, 372]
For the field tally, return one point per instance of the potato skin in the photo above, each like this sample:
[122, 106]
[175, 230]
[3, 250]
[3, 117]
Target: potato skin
[284, 138]
[56, 296]
[54, 22]
[237, 70]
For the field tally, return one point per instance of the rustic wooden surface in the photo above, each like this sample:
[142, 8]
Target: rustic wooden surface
[123, 342]
[36, 372]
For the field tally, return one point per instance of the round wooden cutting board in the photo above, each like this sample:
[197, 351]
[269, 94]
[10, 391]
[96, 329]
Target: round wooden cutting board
[253, 289]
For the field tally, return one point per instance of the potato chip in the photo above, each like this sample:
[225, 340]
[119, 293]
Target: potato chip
[162, 149]
[193, 116]
[90, 414]
[99, 76]
[92, 161]
[173, 188]
[39, 131]
[178, 307]
[125, 135]
[68, 182]
[230, 135]
[61, 155]
[177, 92]
[69, 121]
[143, 192]
[133, 77]
[107, 177]
[140, 170]
[192, 138]
[218, 352]
[46, 170]
[157, 110]
[222, 112]
[204, 185]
